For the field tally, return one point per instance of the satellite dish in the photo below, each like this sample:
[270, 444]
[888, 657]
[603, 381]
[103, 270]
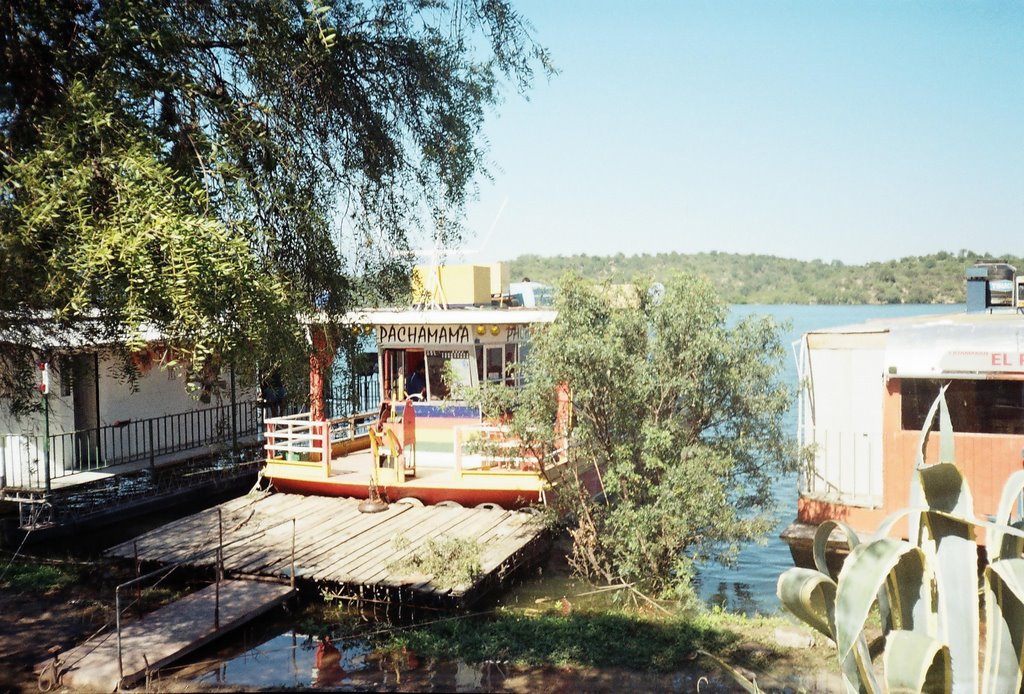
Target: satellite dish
[656, 293]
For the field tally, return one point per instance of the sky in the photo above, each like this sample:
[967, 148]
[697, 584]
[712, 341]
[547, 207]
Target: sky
[851, 130]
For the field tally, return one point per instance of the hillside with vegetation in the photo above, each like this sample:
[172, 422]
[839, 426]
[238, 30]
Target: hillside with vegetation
[762, 279]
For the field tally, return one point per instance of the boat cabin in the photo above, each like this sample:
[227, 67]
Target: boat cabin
[423, 441]
[866, 391]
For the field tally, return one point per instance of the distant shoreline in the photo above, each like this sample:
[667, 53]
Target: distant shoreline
[937, 279]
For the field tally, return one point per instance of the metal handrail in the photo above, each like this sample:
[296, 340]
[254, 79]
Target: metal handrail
[22, 456]
[219, 552]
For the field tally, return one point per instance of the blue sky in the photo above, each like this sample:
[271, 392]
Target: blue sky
[849, 130]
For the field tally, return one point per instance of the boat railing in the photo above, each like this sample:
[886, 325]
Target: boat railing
[484, 448]
[298, 438]
[842, 466]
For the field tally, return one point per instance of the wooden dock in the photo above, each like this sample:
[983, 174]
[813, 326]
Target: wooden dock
[360, 555]
[163, 636]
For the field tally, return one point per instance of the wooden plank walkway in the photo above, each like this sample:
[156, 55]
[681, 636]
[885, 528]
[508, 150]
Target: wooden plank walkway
[167, 634]
[336, 546]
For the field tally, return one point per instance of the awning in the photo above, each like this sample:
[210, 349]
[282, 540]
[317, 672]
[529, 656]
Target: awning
[955, 349]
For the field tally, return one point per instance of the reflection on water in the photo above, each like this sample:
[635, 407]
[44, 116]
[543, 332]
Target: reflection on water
[290, 660]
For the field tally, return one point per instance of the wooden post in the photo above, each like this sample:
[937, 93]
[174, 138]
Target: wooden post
[268, 439]
[293, 554]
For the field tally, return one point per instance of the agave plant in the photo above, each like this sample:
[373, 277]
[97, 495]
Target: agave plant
[926, 589]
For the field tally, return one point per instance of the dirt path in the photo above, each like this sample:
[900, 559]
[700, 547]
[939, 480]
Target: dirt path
[34, 620]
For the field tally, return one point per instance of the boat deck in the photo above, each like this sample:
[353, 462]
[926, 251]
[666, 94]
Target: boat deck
[351, 474]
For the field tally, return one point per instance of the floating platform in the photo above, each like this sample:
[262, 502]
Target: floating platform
[364, 556]
[161, 637]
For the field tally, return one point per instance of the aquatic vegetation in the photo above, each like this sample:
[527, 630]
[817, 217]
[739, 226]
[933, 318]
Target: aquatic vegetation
[450, 561]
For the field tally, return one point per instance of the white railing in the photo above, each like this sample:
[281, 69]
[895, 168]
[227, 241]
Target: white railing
[483, 448]
[297, 438]
[843, 466]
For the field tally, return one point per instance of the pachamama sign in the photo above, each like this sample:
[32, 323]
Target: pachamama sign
[425, 335]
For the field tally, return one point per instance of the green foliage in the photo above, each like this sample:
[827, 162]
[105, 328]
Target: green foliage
[449, 561]
[937, 278]
[215, 170]
[925, 590]
[683, 415]
[28, 576]
[597, 639]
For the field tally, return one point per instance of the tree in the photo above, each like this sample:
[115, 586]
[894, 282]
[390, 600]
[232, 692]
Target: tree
[213, 170]
[682, 414]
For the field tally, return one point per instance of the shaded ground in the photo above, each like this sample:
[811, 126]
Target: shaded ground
[32, 623]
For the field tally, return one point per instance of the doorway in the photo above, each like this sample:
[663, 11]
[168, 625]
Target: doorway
[85, 393]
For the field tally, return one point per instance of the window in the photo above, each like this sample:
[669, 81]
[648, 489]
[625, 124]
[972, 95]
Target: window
[446, 370]
[975, 406]
[511, 352]
[494, 364]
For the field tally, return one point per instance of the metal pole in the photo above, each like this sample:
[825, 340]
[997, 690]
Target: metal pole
[96, 388]
[138, 585]
[220, 568]
[152, 445]
[46, 441]
[216, 596]
[117, 621]
[234, 417]
[220, 536]
[293, 553]
[3, 462]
